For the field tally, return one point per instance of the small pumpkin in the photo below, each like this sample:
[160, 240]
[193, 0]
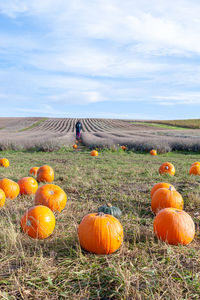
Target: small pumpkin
[163, 198]
[123, 148]
[174, 226]
[111, 210]
[45, 174]
[52, 196]
[167, 168]
[75, 146]
[10, 188]
[94, 153]
[2, 198]
[4, 162]
[153, 152]
[38, 222]
[161, 185]
[99, 233]
[195, 169]
[33, 171]
[28, 185]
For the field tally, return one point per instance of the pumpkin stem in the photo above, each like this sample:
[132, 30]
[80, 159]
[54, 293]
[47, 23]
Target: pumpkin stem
[109, 204]
[100, 214]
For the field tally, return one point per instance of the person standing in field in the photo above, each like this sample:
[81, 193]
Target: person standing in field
[78, 129]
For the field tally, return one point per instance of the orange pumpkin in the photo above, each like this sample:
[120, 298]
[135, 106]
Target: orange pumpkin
[195, 169]
[4, 162]
[163, 198]
[167, 168]
[33, 171]
[51, 195]
[100, 233]
[94, 153]
[10, 188]
[161, 185]
[45, 174]
[174, 226]
[38, 222]
[153, 152]
[123, 148]
[75, 146]
[28, 185]
[2, 198]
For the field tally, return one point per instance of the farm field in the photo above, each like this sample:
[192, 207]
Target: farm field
[57, 267]
[30, 133]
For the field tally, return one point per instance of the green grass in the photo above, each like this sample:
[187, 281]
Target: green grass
[33, 125]
[57, 268]
[188, 123]
[159, 125]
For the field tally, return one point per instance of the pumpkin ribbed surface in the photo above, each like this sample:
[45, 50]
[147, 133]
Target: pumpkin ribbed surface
[28, 186]
[4, 162]
[33, 171]
[45, 174]
[167, 168]
[38, 222]
[160, 185]
[100, 233]
[153, 152]
[174, 226]
[194, 169]
[10, 188]
[52, 196]
[2, 198]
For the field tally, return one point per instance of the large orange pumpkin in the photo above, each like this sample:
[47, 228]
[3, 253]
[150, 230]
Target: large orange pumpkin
[163, 198]
[174, 226]
[51, 195]
[161, 185]
[45, 174]
[167, 168]
[195, 169]
[10, 188]
[33, 171]
[4, 162]
[2, 198]
[100, 233]
[75, 146]
[153, 152]
[38, 222]
[94, 153]
[28, 185]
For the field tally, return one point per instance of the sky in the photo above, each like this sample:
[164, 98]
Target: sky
[100, 58]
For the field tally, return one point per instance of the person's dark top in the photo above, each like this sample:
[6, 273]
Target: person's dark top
[78, 126]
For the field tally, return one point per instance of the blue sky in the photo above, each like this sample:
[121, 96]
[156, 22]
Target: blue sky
[100, 58]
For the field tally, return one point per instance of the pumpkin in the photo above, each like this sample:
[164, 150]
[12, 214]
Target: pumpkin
[10, 188]
[94, 153]
[163, 198]
[111, 210]
[38, 222]
[28, 185]
[153, 152]
[167, 168]
[195, 169]
[4, 162]
[161, 185]
[123, 148]
[2, 198]
[45, 174]
[75, 146]
[52, 196]
[100, 233]
[174, 226]
[33, 171]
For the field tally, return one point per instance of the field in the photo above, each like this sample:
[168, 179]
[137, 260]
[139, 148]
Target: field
[50, 134]
[57, 268]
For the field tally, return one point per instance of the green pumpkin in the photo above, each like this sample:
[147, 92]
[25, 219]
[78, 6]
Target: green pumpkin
[110, 210]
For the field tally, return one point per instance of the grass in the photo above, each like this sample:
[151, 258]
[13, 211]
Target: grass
[188, 123]
[159, 125]
[57, 268]
[33, 125]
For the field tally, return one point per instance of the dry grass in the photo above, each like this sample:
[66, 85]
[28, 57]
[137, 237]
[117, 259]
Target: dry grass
[57, 268]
